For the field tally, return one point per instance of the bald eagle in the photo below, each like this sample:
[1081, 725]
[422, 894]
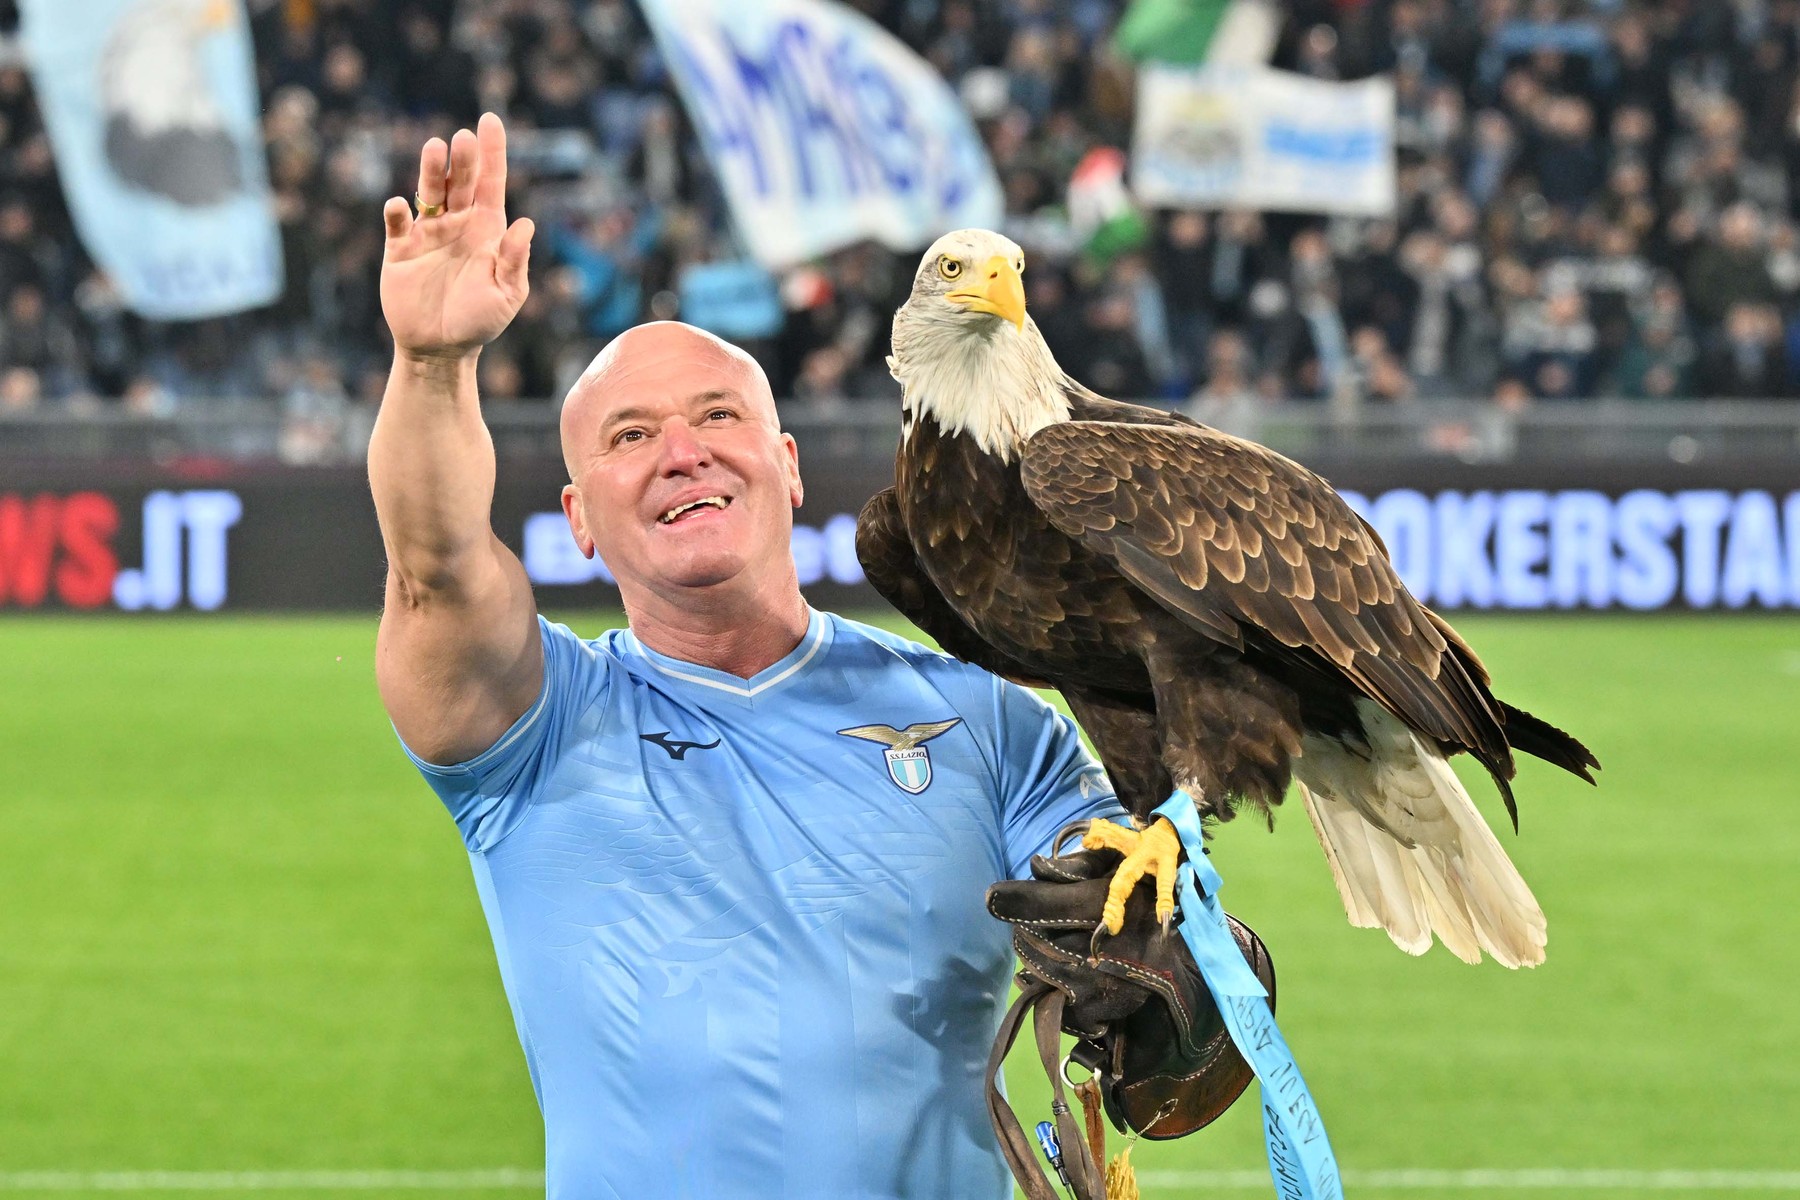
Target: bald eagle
[164, 131]
[1216, 616]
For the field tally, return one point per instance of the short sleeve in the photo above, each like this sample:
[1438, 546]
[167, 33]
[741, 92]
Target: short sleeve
[487, 794]
[1047, 777]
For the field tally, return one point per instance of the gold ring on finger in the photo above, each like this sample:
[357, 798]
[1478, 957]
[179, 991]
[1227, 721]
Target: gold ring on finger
[426, 210]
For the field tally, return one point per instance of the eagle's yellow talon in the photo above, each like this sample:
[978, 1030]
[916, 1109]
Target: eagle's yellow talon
[1105, 835]
[1155, 851]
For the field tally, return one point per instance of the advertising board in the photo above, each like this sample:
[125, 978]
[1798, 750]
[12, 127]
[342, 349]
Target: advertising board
[1613, 537]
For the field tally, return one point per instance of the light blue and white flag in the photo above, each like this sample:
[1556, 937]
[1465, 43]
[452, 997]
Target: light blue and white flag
[1253, 137]
[152, 111]
[823, 128]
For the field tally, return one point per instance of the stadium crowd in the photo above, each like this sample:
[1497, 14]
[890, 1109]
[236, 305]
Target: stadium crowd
[1596, 199]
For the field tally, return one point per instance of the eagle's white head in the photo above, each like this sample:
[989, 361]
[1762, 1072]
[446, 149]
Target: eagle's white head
[966, 352]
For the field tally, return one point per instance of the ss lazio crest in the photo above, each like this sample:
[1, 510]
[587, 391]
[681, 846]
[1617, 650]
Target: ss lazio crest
[908, 761]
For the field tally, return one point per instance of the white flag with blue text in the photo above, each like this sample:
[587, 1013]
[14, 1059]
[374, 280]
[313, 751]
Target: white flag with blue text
[151, 107]
[823, 128]
[1253, 137]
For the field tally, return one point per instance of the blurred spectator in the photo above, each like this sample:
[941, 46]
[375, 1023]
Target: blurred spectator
[1318, 53]
[1289, 358]
[111, 342]
[1240, 256]
[1553, 347]
[1511, 395]
[1183, 260]
[1491, 154]
[659, 166]
[1731, 269]
[38, 339]
[534, 346]
[1110, 359]
[499, 377]
[1131, 275]
[145, 397]
[20, 390]
[823, 377]
[1568, 163]
[1380, 374]
[605, 253]
[435, 77]
[21, 252]
[1747, 358]
[1658, 360]
[1375, 288]
[1047, 300]
[313, 412]
[1227, 400]
[1448, 318]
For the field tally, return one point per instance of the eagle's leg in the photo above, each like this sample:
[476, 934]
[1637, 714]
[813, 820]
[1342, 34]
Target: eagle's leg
[1223, 731]
[1155, 851]
[1124, 732]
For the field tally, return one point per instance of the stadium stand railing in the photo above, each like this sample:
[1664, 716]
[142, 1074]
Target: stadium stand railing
[1719, 431]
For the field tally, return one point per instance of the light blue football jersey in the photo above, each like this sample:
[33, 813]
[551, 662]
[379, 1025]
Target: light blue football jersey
[741, 922]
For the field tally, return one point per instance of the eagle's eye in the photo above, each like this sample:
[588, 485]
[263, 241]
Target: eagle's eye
[949, 267]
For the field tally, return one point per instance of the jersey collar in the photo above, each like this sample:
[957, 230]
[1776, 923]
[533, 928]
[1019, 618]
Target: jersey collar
[793, 665]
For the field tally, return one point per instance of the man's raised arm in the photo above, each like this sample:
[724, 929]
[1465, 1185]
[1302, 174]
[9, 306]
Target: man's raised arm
[458, 658]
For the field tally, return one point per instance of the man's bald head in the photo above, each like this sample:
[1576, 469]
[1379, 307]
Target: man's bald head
[680, 478]
[659, 354]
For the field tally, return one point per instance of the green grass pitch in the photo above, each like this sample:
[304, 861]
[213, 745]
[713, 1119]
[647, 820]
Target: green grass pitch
[240, 934]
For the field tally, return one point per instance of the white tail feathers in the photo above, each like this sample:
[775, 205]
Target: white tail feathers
[1408, 850]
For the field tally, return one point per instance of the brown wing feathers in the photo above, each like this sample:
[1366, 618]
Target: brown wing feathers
[1231, 535]
[893, 570]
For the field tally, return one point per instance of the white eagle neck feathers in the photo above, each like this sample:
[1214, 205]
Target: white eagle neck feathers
[996, 384]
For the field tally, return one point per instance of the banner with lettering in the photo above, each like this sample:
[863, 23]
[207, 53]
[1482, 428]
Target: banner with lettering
[1529, 548]
[151, 107]
[1254, 137]
[823, 128]
[1582, 536]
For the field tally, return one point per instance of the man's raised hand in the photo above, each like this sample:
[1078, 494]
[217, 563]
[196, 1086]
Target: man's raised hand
[451, 282]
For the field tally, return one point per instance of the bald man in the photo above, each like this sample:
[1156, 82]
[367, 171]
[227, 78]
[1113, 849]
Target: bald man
[733, 856]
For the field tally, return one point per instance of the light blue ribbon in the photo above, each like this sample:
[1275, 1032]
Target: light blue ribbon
[1300, 1158]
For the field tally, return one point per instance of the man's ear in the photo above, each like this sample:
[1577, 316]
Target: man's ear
[571, 502]
[796, 489]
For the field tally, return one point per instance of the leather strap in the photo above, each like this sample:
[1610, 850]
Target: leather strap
[1013, 1143]
[1078, 1162]
[1044, 1004]
[1088, 1092]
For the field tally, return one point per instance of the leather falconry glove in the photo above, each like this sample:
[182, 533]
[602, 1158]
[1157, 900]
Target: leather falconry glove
[1144, 1020]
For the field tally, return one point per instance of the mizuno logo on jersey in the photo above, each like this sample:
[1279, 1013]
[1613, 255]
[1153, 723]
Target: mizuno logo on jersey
[908, 761]
[677, 749]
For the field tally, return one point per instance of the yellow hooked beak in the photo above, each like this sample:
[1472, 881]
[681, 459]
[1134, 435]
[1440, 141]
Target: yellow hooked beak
[996, 289]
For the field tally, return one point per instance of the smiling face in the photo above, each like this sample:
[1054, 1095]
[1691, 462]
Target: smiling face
[680, 476]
